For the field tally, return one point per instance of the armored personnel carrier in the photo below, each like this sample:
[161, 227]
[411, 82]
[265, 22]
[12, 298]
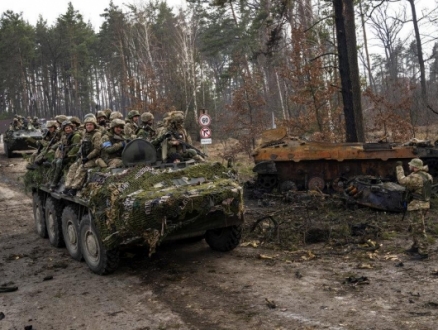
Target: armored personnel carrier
[143, 203]
[287, 163]
[23, 139]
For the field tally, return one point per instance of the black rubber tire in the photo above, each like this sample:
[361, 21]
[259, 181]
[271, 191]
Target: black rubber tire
[38, 215]
[70, 231]
[8, 152]
[100, 260]
[224, 239]
[53, 222]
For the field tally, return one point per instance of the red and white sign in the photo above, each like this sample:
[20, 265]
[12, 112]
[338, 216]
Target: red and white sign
[204, 120]
[205, 132]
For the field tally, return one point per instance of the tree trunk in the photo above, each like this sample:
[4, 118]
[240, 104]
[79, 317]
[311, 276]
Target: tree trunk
[420, 53]
[348, 69]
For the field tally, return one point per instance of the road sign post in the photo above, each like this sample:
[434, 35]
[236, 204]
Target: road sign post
[205, 132]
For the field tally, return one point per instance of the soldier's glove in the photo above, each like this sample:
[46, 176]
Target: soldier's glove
[84, 160]
[399, 163]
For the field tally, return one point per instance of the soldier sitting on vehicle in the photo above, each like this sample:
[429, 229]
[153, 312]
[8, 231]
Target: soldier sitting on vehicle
[179, 141]
[102, 119]
[90, 151]
[15, 125]
[113, 144]
[145, 131]
[108, 113]
[60, 119]
[45, 151]
[115, 115]
[35, 123]
[77, 125]
[132, 125]
[67, 151]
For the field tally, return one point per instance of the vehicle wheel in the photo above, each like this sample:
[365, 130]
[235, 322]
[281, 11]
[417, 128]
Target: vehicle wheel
[53, 222]
[70, 230]
[100, 260]
[224, 239]
[8, 152]
[38, 215]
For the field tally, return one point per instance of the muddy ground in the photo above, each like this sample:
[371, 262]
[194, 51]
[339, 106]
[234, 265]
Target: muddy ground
[272, 281]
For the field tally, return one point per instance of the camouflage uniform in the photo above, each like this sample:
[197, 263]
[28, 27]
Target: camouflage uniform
[131, 125]
[90, 149]
[172, 146]
[112, 145]
[47, 150]
[15, 125]
[145, 131]
[66, 153]
[36, 123]
[419, 205]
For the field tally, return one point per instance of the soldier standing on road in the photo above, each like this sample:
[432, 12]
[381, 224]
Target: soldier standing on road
[418, 184]
[90, 151]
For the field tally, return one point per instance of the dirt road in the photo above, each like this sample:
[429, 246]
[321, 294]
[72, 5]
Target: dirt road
[188, 286]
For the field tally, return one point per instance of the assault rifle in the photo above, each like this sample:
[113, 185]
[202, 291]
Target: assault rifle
[179, 137]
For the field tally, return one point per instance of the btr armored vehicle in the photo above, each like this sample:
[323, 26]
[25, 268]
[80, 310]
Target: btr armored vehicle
[22, 139]
[145, 202]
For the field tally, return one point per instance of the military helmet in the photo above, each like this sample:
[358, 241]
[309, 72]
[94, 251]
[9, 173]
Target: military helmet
[101, 114]
[91, 120]
[416, 162]
[75, 120]
[177, 117]
[89, 115]
[133, 113]
[146, 116]
[61, 118]
[116, 115]
[66, 123]
[117, 122]
[108, 112]
[35, 118]
[51, 123]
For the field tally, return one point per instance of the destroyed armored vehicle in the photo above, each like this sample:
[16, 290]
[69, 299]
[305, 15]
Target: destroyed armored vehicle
[288, 163]
[22, 139]
[143, 203]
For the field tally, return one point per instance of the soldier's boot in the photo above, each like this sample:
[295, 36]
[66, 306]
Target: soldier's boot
[199, 159]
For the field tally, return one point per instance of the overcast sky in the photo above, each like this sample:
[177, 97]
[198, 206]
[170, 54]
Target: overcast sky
[50, 10]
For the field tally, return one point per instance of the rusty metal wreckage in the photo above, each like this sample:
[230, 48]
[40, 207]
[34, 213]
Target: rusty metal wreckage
[288, 163]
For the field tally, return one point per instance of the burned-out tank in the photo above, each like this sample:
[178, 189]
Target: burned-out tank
[143, 203]
[22, 139]
[288, 163]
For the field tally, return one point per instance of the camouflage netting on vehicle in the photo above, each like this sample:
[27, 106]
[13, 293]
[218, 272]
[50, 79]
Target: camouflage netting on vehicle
[149, 204]
[37, 178]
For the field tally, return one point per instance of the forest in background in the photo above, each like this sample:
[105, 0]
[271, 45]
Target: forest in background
[245, 62]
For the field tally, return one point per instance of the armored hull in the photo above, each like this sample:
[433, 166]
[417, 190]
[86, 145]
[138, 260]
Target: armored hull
[290, 163]
[23, 139]
[143, 203]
